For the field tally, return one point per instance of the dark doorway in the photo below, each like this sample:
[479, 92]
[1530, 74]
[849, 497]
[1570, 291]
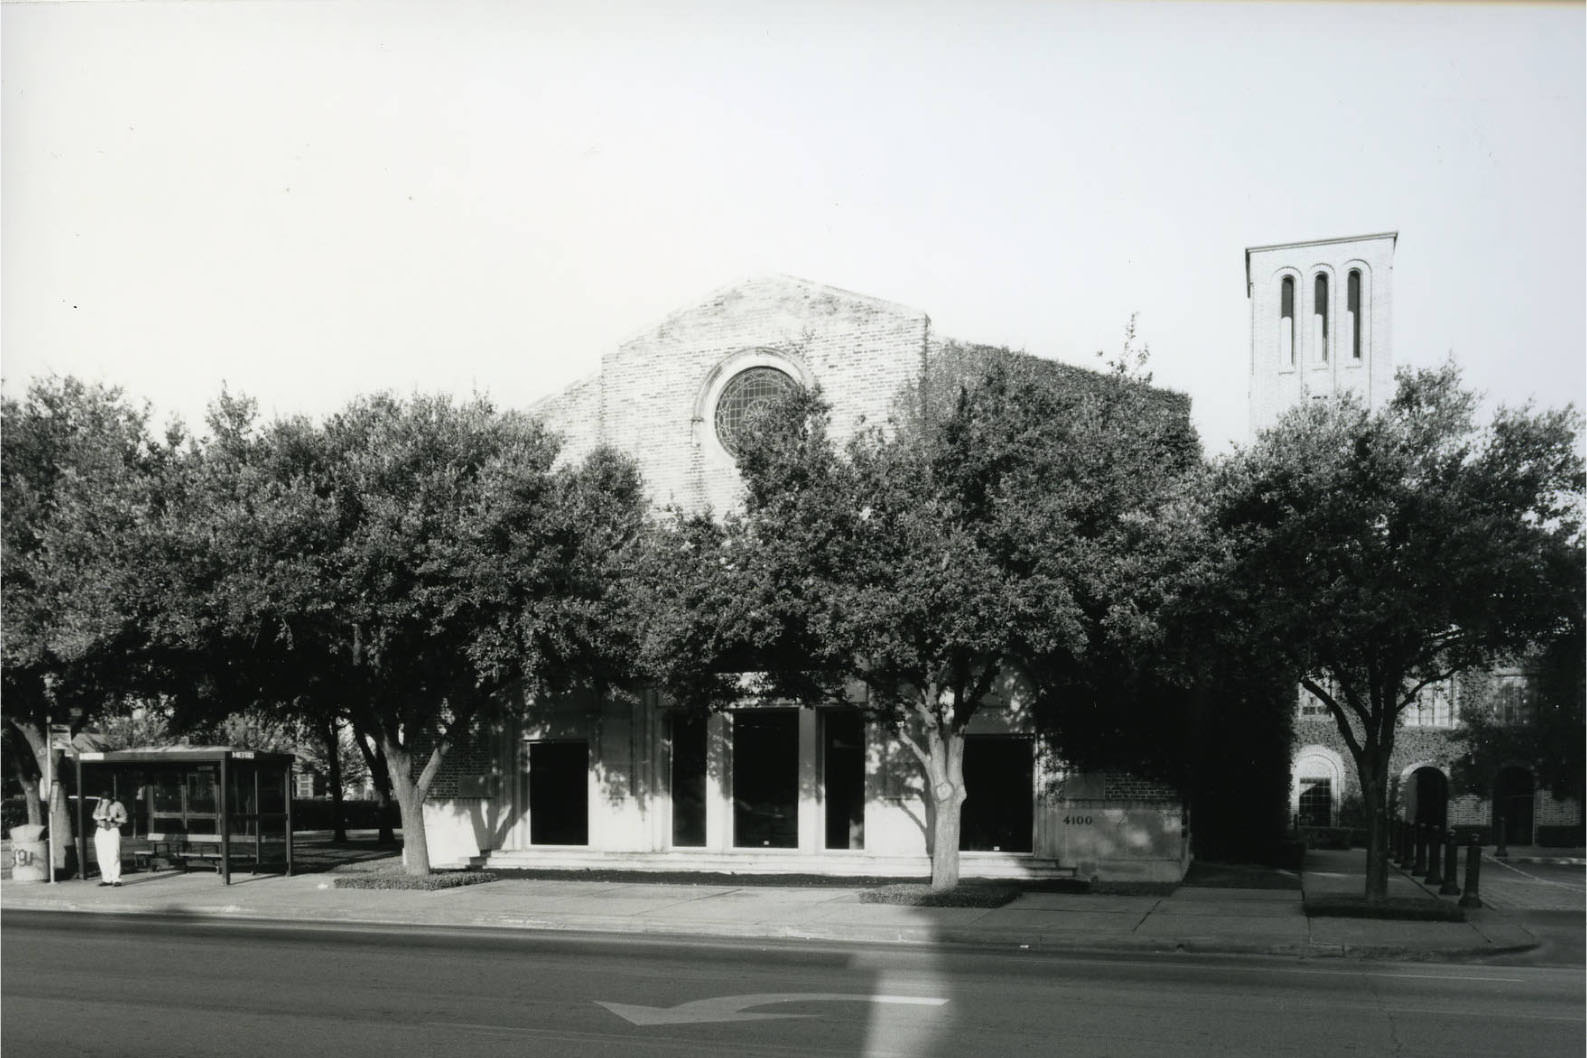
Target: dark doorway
[559, 793]
[999, 815]
[1432, 797]
[1512, 802]
[766, 778]
[688, 781]
[843, 756]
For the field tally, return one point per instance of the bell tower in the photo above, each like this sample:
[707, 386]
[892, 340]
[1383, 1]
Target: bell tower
[1320, 322]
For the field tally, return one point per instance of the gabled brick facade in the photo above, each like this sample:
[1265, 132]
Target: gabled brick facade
[654, 395]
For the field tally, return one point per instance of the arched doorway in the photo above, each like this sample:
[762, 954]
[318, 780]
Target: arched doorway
[1427, 795]
[1317, 787]
[1512, 802]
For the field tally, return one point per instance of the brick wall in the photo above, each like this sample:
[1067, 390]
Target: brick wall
[1121, 787]
[1437, 747]
[654, 396]
[471, 768]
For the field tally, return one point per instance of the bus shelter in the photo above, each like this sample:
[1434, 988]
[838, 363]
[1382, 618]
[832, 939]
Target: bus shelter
[188, 806]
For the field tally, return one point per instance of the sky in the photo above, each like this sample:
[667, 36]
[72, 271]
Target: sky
[303, 201]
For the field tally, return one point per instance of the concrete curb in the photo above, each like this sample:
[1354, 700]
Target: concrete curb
[902, 936]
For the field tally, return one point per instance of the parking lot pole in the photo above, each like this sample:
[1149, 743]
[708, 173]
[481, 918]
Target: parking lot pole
[225, 822]
[82, 830]
[49, 796]
[287, 793]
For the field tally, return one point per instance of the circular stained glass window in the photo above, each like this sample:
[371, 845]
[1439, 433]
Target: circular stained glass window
[744, 398]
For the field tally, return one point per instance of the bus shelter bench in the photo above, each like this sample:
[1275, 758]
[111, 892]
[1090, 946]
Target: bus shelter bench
[185, 850]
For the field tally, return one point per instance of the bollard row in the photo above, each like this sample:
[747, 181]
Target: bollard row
[1433, 854]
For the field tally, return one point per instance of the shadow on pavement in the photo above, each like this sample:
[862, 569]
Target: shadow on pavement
[316, 853]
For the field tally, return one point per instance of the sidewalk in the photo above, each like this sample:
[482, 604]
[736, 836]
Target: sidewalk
[1192, 919]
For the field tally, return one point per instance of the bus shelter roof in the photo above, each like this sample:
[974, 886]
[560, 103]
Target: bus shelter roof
[186, 755]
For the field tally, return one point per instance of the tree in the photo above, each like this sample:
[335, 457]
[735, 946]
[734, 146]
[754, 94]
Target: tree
[82, 478]
[982, 541]
[1375, 554]
[420, 564]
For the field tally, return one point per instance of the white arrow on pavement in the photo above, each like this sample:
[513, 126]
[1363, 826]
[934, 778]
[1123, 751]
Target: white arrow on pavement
[731, 1008]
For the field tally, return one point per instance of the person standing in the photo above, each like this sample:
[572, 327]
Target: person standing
[109, 815]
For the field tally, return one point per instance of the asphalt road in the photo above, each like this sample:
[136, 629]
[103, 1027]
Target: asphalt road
[76, 984]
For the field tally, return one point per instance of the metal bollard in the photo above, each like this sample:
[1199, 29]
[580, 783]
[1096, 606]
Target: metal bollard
[1473, 874]
[1451, 864]
[1503, 850]
[1435, 848]
[1419, 860]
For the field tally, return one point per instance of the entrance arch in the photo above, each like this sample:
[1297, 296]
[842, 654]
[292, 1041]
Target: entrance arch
[1513, 794]
[1427, 796]
[1318, 780]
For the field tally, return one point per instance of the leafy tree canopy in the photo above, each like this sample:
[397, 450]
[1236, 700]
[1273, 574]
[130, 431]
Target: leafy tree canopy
[81, 479]
[1375, 554]
[993, 539]
[419, 563]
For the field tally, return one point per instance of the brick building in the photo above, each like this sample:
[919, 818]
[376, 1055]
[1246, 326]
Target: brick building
[1321, 316]
[1327, 793]
[763, 789]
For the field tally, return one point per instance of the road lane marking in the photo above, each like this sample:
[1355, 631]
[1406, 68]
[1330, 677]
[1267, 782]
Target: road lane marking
[733, 1008]
[1445, 977]
[1447, 1012]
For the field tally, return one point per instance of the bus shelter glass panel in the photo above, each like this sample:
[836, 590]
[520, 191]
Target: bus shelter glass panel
[203, 800]
[241, 802]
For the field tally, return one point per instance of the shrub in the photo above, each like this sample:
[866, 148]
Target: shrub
[13, 813]
[1561, 837]
[423, 882]
[965, 894]
[1326, 837]
[315, 814]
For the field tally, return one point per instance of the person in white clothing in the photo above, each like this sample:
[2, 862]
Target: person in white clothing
[109, 816]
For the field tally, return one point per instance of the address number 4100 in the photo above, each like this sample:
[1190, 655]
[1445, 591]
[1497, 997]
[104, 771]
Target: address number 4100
[1077, 821]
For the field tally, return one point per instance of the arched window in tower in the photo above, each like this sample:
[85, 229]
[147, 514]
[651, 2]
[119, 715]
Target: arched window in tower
[1319, 319]
[1286, 322]
[1353, 307]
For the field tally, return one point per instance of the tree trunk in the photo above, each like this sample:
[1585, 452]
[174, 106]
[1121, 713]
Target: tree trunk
[60, 817]
[410, 803]
[30, 790]
[333, 778]
[1373, 771]
[380, 775]
[945, 773]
